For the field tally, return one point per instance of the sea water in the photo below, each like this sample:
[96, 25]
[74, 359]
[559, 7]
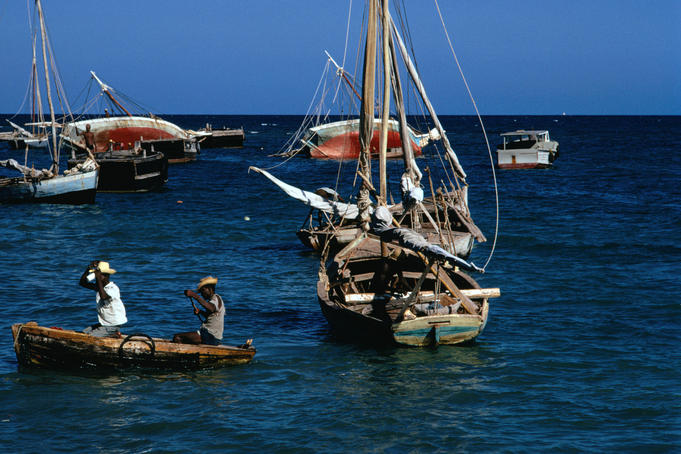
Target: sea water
[581, 351]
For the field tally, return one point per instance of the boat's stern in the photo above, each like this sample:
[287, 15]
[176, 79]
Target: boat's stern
[438, 330]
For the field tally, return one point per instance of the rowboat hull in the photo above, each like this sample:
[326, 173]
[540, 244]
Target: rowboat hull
[53, 348]
[75, 189]
[340, 140]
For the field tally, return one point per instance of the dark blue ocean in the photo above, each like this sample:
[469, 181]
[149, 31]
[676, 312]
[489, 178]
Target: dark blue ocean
[582, 351]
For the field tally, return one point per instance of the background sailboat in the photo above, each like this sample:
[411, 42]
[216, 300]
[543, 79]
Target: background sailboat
[119, 129]
[77, 185]
[319, 137]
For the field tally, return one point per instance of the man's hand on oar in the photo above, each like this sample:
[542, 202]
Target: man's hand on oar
[193, 295]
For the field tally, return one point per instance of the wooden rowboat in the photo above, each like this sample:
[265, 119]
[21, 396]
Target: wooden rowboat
[56, 348]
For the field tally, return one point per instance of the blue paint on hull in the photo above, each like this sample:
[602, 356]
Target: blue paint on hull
[71, 189]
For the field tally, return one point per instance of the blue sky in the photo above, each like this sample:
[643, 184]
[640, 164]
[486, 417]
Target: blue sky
[266, 56]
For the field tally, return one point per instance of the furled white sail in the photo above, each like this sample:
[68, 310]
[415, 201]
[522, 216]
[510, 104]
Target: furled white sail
[347, 210]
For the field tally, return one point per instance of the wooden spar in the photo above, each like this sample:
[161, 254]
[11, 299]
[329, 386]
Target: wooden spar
[105, 89]
[383, 151]
[437, 214]
[427, 295]
[454, 161]
[386, 105]
[55, 151]
[341, 71]
[407, 153]
[117, 103]
[366, 119]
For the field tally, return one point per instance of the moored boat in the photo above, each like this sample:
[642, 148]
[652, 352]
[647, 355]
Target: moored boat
[222, 138]
[56, 348]
[178, 144]
[340, 140]
[121, 130]
[129, 170]
[75, 186]
[400, 299]
[526, 149]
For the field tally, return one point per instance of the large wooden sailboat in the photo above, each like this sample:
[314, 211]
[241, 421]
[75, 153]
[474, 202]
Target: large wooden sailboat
[400, 277]
[75, 186]
[390, 284]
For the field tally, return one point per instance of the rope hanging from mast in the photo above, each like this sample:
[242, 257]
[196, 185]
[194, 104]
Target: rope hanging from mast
[482, 125]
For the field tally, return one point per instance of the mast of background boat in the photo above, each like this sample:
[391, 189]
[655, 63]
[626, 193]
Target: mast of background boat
[36, 110]
[454, 161]
[341, 72]
[366, 115]
[55, 151]
[106, 89]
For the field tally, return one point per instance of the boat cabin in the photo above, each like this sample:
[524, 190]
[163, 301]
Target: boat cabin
[523, 139]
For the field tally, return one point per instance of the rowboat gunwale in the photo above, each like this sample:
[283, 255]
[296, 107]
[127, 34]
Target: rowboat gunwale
[41, 346]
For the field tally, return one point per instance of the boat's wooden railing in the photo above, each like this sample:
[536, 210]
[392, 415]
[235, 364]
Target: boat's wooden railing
[423, 296]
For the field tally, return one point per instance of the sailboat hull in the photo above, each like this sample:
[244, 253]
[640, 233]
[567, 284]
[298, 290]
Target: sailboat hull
[76, 189]
[121, 130]
[340, 140]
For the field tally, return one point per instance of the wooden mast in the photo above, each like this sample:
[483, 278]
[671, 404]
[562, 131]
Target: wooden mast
[386, 104]
[55, 151]
[366, 117]
[383, 151]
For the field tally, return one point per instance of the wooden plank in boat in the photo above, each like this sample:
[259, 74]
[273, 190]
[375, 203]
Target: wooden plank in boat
[428, 295]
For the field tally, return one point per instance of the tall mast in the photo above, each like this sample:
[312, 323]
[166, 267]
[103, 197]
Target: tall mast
[383, 151]
[366, 116]
[55, 151]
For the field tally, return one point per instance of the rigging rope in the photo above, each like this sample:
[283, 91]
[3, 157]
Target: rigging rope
[482, 125]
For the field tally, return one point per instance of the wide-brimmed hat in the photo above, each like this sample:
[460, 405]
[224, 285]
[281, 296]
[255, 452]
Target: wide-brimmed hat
[104, 268]
[208, 280]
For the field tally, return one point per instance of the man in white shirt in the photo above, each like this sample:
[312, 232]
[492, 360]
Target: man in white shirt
[110, 308]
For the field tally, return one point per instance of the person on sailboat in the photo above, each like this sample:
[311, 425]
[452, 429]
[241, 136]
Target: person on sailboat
[110, 308]
[89, 138]
[213, 312]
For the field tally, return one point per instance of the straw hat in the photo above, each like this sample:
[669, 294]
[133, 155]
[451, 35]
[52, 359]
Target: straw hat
[104, 268]
[208, 280]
